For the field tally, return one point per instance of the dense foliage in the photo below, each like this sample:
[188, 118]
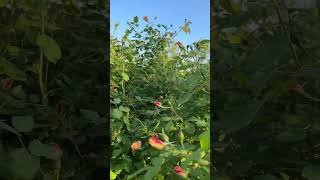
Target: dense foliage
[266, 72]
[53, 110]
[159, 86]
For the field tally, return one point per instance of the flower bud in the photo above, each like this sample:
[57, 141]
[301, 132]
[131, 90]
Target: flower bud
[158, 104]
[164, 136]
[145, 18]
[180, 171]
[57, 150]
[7, 84]
[156, 143]
[181, 136]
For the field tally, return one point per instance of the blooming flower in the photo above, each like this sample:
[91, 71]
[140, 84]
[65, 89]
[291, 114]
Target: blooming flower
[180, 171]
[156, 143]
[136, 145]
[158, 104]
[145, 18]
[7, 84]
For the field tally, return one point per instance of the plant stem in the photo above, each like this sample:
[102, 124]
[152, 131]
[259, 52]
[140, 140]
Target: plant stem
[286, 30]
[44, 99]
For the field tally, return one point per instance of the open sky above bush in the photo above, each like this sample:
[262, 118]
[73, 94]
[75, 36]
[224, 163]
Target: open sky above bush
[167, 12]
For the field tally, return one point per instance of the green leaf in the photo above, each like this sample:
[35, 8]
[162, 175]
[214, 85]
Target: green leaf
[117, 100]
[291, 135]
[34, 98]
[165, 119]
[112, 175]
[234, 39]
[193, 80]
[49, 176]
[22, 23]
[116, 113]
[189, 129]
[13, 50]
[124, 109]
[185, 97]
[116, 153]
[139, 171]
[153, 171]
[227, 5]
[268, 54]
[11, 101]
[221, 177]
[311, 172]
[240, 115]
[198, 122]
[3, 3]
[90, 115]
[204, 139]
[169, 126]
[125, 76]
[203, 42]
[37, 148]
[18, 92]
[23, 165]
[10, 69]
[8, 128]
[136, 19]
[284, 176]
[49, 47]
[23, 123]
[266, 177]
[186, 29]
[126, 121]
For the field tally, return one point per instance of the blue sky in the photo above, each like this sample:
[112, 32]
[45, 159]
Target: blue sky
[168, 12]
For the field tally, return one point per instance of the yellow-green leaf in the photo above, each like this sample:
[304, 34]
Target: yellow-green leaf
[49, 47]
[10, 69]
[125, 76]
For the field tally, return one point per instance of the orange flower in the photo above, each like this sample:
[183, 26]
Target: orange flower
[136, 145]
[156, 143]
[180, 171]
[158, 104]
[179, 43]
[7, 84]
[145, 18]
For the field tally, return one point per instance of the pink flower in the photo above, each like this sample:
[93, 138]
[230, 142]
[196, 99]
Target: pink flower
[7, 84]
[180, 171]
[179, 43]
[158, 104]
[145, 18]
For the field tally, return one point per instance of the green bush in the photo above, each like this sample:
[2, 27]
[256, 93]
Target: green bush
[52, 115]
[159, 86]
[266, 64]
